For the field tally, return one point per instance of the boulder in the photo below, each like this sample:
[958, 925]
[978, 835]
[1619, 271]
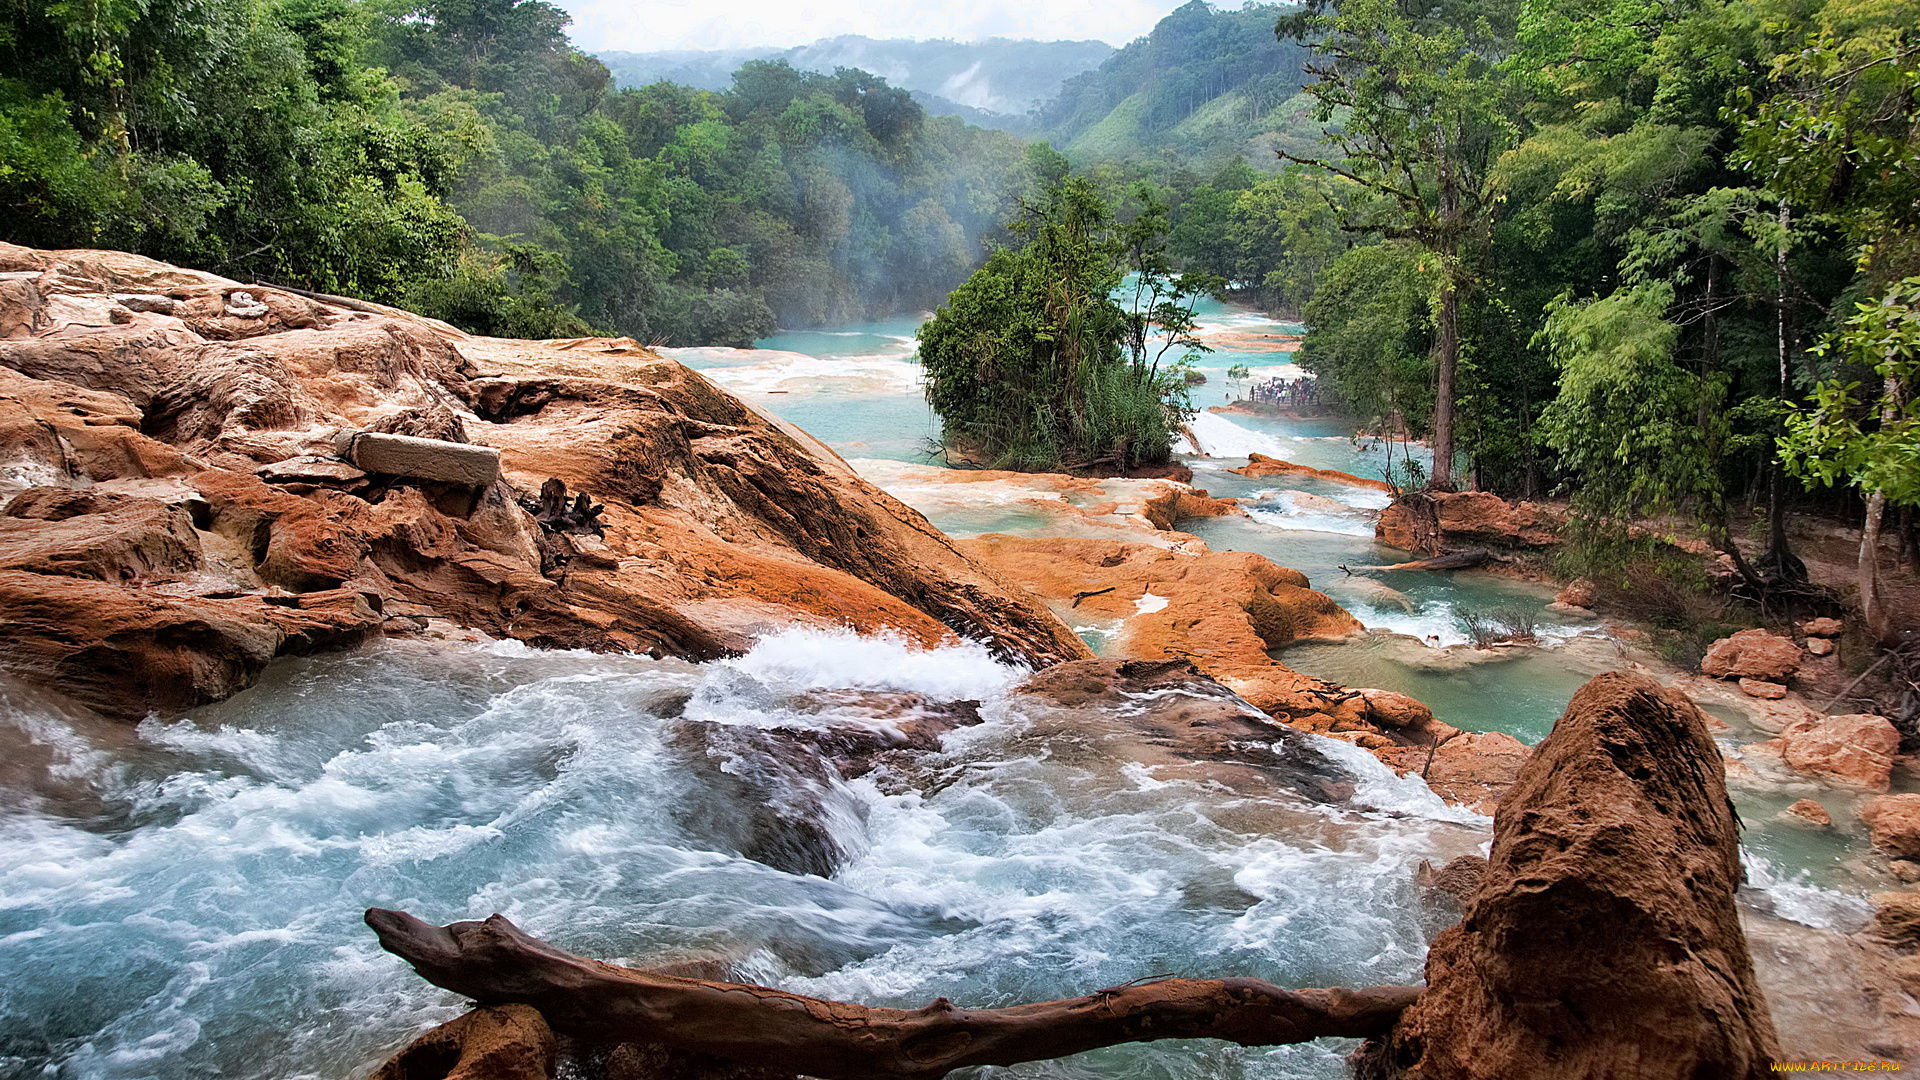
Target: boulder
[1473, 769]
[493, 1042]
[1580, 593]
[1851, 751]
[425, 459]
[1822, 627]
[1893, 822]
[1820, 647]
[1752, 654]
[1808, 812]
[1604, 940]
[1896, 919]
[1760, 688]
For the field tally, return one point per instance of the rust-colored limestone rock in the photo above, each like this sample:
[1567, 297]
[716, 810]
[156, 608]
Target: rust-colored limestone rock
[1226, 612]
[1435, 520]
[493, 1042]
[204, 528]
[1893, 822]
[1222, 610]
[1854, 751]
[1604, 940]
[1260, 465]
[1752, 654]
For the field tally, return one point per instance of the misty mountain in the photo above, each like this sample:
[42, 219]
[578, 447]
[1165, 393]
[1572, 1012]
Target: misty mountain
[1205, 84]
[994, 82]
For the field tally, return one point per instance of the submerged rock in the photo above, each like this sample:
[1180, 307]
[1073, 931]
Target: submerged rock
[1808, 812]
[186, 523]
[1604, 940]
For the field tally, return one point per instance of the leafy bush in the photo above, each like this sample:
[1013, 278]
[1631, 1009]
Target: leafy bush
[1032, 363]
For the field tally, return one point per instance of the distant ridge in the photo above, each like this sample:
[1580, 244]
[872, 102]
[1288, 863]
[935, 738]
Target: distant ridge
[994, 82]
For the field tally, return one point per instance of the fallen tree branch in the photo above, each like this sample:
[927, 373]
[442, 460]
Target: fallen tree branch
[495, 962]
[1464, 560]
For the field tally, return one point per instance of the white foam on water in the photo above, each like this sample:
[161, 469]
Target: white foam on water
[1791, 894]
[1313, 513]
[813, 659]
[771, 371]
[1216, 436]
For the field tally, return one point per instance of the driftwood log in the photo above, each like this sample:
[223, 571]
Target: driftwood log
[495, 962]
[1464, 560]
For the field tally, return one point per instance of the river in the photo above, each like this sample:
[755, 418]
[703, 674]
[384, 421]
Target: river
[183, 899]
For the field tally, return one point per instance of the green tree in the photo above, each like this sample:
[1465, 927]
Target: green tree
[1032, 363]
[1423, 111]
[1863, 440]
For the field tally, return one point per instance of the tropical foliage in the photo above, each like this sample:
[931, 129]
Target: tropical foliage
[461, 156]
[1066, 349]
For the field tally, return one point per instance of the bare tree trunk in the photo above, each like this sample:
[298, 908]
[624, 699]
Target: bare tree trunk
[494, 962]
[1446, 359]
[1869, 567]
[1779, 556]
[1871, 611]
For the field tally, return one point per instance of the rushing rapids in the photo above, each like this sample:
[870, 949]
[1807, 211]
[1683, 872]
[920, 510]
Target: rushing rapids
[202, 879]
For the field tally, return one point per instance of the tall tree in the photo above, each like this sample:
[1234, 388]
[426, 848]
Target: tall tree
[1420, 109]
[1840, 139]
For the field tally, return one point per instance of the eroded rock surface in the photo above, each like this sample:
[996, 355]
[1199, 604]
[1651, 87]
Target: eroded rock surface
[1852, 751]
[1259, 465]
[1604, 940]
[1440, 521]
[174, 519]
[1226, 612]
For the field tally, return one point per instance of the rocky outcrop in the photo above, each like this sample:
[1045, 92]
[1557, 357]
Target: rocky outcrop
[1260, 465]
[1894, 824]
[175, 516]
[1752, 654]
[1850, 751]
[1226, 612]
[1441, 521]
[1604, 940]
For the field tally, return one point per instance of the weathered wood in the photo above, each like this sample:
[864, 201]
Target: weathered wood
[1460, 560]
[494, 962]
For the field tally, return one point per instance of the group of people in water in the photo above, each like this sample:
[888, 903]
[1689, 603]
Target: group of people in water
[1304, 390]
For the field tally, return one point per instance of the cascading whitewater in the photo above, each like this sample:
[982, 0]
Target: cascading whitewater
[198, 885]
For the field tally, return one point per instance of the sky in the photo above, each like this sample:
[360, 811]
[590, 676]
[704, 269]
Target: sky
[659, 25]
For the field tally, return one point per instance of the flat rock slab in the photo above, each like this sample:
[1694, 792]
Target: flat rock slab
[425, 459]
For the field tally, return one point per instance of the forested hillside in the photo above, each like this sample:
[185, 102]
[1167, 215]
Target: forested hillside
[1205, 86]
[463, 159]
[1664, 258]
[995, 82]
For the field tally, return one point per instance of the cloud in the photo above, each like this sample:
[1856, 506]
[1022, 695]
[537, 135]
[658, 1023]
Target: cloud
[659, 25]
